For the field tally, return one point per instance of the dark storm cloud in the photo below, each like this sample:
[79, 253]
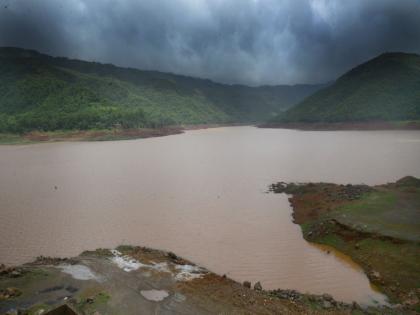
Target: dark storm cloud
[234, 41]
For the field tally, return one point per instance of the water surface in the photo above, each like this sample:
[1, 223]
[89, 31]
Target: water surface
[201, 194]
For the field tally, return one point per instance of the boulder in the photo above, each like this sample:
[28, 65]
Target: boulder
[258, 286]
[247, 284]
[9, 293]
[326, 304]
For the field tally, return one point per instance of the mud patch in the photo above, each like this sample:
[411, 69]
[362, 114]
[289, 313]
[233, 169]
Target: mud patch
[154, 295]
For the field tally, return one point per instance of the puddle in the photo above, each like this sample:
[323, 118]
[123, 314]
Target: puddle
[154, 295]
[79, 272]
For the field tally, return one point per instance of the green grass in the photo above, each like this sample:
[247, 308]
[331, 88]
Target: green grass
[8, 138]
[100, 299]
[386, 212]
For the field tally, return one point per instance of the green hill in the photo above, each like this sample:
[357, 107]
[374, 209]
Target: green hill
[40, 92]
[384, 88]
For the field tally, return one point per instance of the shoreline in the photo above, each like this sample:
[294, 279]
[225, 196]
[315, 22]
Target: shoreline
[102, 134]
[362, 126]
[150, 279]
[374, 225]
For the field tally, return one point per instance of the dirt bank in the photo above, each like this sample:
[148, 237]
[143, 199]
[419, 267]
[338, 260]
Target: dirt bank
[369, 125]
[102, 135]
[378, 227]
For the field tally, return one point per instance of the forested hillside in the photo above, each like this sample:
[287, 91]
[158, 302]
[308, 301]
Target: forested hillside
[39, 92]
[384, 88]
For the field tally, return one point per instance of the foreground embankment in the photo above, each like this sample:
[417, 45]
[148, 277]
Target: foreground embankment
[138, 280]
[378, 227]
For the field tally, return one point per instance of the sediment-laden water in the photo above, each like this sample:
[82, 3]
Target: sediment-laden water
[201, 194]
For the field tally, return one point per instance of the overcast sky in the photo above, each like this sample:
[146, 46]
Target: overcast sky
[232, 41]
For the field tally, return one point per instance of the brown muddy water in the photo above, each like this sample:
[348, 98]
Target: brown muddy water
[201, 194]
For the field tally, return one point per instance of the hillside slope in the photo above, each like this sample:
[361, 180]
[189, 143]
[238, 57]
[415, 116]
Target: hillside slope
[384, 88]
[39, 92]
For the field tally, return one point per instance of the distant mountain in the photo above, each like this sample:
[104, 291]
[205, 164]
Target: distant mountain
[384, 88]
[48, 93]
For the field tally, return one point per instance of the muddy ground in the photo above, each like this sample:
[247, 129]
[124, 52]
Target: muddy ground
[138, 280]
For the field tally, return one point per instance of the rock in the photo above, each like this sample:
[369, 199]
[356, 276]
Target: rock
[355, 306]
[326, 304]
[327, 297]
[258, 286]
[9, 293]
[15, 274]
[247, 284]
[412, 299]
[356, 246]
[90, 300]
[172, 256]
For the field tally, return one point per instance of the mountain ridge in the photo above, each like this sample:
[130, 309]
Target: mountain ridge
[385, 88]
[40, 92]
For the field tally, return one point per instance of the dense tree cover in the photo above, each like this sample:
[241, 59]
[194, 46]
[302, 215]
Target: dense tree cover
[39, 92]
[384, 88]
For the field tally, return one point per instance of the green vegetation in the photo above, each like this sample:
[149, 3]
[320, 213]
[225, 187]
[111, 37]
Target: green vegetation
[90, 301]
[9, 138]
[39, 92]
[386, 88]
[386, 212]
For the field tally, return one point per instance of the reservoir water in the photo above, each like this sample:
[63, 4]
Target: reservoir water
[202, 195]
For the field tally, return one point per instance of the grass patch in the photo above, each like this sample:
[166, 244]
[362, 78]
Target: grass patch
[393, 213]
[8, 138]
[90, 303]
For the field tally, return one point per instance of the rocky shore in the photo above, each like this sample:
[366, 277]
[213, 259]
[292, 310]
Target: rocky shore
[139, 280]
[378, 227]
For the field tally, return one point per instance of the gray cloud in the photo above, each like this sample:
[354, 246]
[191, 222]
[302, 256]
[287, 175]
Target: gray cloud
[234, 41]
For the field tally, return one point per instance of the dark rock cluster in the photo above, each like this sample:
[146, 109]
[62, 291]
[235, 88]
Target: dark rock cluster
[11, 272]
[43, 260]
